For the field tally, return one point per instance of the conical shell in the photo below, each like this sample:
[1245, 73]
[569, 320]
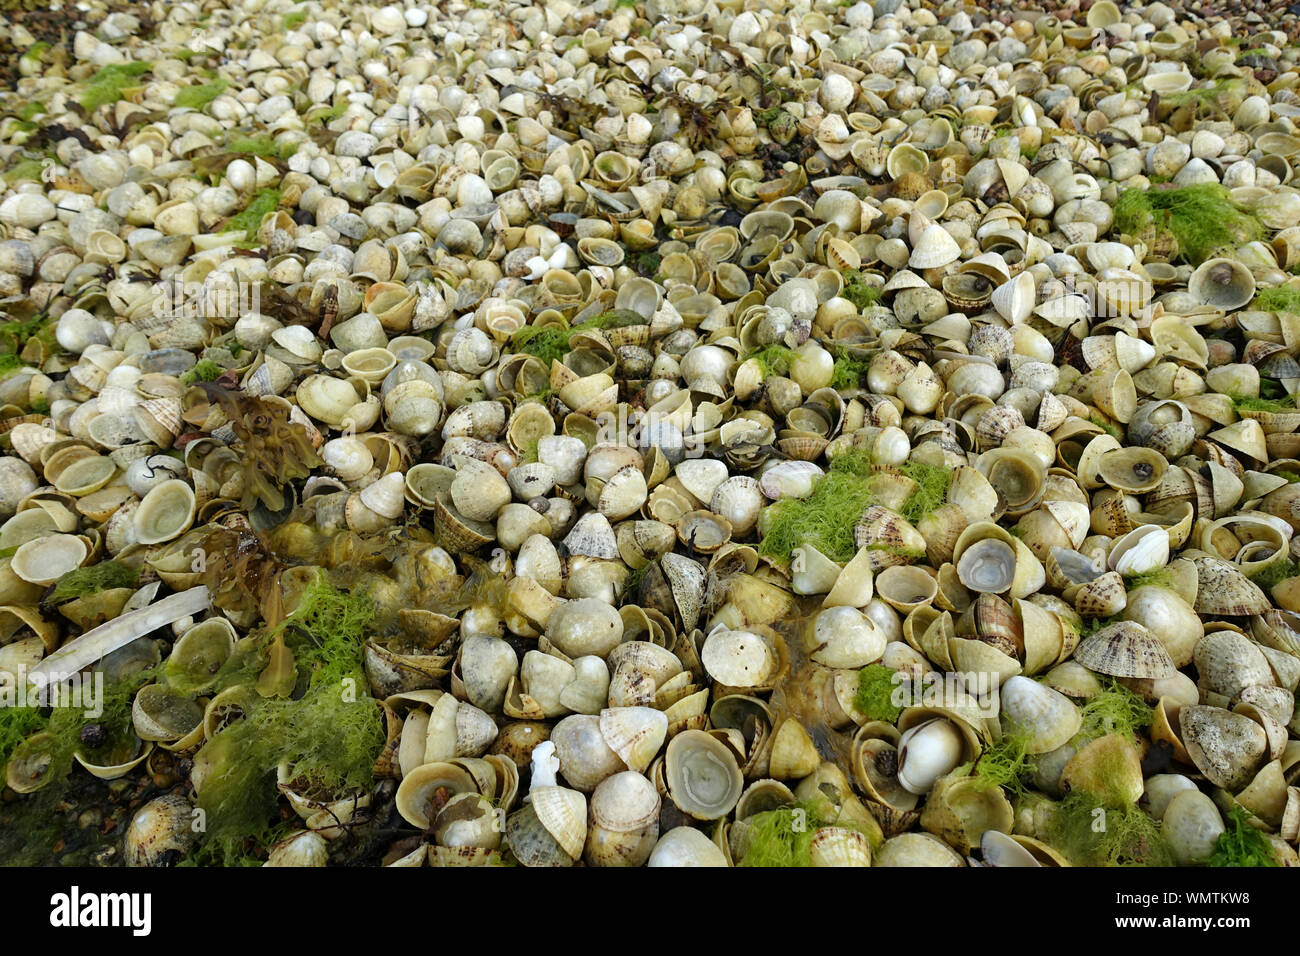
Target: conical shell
[387, 496]
[634, 733]
[794, 755]
[563, 812]
[1049, 717]
[936, 247]
[1125, 649]
[1226, 747]
[1223, 590]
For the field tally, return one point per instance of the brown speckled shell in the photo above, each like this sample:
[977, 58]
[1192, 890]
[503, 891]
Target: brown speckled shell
[1225, 590]
[1226, 747]
[1125, 649]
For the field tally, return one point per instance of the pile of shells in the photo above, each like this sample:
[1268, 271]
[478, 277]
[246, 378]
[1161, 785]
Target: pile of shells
[565, 332]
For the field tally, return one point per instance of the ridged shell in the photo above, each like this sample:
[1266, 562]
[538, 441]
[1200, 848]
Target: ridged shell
[1223, 590]
[1125, 649]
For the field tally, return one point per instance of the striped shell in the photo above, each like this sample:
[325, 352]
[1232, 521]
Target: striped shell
[1125, 649]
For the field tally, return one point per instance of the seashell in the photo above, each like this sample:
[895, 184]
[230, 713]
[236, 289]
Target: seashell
[1125, 649]
[1226, 747]
[703, 778]
[46, 559]
[685, 846]
[1222, 284]
[1223, 590]
[916, 849]
[1050, 716]
[1144, 549]
[934, 248]
[166, 512]
[160, 832]
[927, 752]
[988, 566]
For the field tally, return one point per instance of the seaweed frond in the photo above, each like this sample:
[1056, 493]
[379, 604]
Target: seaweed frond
[10, 363]
[1275, 573]
[772, 360]
[203, 371]
[1254, 403]
[273, 449]
[1202, 218]
[825, 519]
[1090, 833]
[781, 837]
[260, 145]
[57, 738]
[1241, 844]
[336, 622]
[614, 319]
[330, 741]
[1281, 299]
[859, 291]
[92, 579]
[931, 489]
[15, 334]
[1160, 578]
[1091, 625]
[27, 169]
[248, 221]
[848, 372]
[1110, 428]
[875, 698]
[108, 84]
[197, 97]
[854, 461]
[326, 113]
[549, 343]
[1116, 710]
[1005, 763]
[330, 737]
[16, 725]
[647, 263]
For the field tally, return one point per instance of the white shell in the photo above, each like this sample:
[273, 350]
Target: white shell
[737, 658]
[1047, 715]
[46, 559]
[387, 496]
[844, 637]
[936, 247]
[1143, 549]
[927, 752]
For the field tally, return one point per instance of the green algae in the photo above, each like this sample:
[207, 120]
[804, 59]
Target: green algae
[1115, 710]
[250, 220]
[107, 85]
[1006, 762]
[875, 694]
[931, 491]
[204, 371]
[859, 291]
[772, 359]
[1090, 833]
[826, 518]
[330, 736]
[1241, 844]
[1202, 218]
[92, 579]
[197, 97]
